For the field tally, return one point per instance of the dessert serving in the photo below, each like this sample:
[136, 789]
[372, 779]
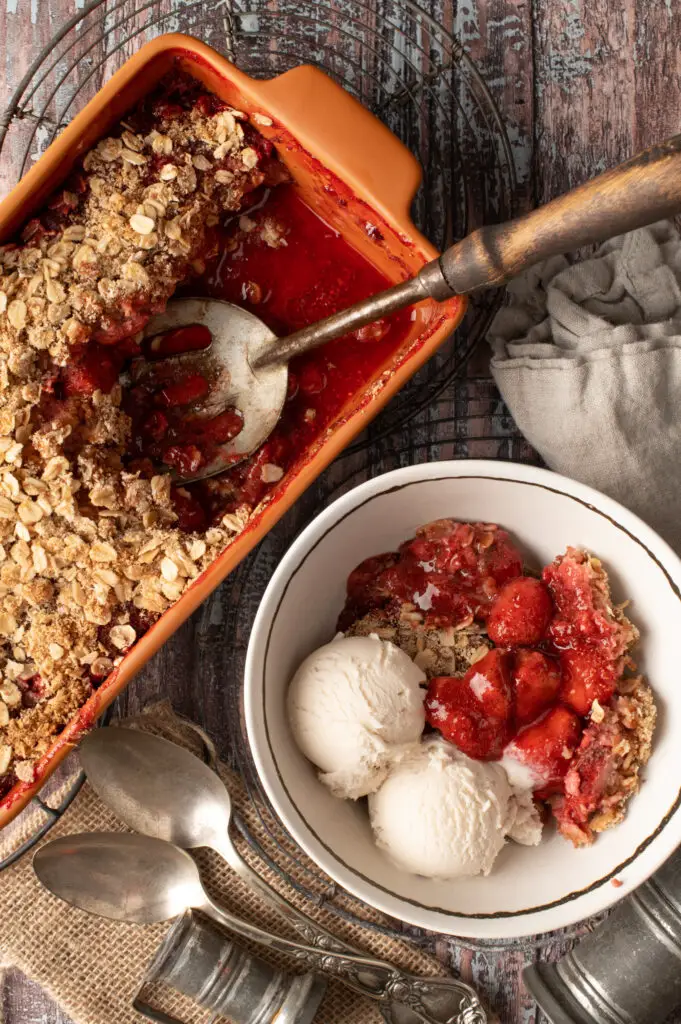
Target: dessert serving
[529, 693]
[98, 539]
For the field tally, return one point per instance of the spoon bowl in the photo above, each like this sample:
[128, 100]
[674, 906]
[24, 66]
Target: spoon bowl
[157, 787]
[121, 876]
[228, 364]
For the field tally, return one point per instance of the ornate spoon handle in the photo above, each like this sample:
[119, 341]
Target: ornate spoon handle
[375, 976]
[371, 977]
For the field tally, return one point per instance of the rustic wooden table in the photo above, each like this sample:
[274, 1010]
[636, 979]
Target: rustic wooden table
[580, 84]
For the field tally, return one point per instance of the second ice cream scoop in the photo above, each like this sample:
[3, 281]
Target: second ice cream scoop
[443, 815]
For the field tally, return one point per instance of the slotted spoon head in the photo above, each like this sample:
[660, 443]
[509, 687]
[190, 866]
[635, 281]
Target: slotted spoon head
[238, 337]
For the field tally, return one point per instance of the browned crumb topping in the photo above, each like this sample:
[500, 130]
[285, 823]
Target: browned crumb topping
[605, 772]
[447, 651]
[89, 551]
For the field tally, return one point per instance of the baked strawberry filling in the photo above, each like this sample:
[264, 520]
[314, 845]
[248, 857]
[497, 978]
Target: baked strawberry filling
[99, 539]
[475, 712]
[584, 616]
[168, 425]
[547, 699]
[451, 571]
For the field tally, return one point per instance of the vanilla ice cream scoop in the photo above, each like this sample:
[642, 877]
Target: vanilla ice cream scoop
[442, 815]
[355, 705]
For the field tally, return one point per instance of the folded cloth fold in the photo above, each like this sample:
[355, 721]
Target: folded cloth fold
[587, 356]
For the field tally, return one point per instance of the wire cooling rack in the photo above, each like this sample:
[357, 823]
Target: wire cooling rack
[401, 61]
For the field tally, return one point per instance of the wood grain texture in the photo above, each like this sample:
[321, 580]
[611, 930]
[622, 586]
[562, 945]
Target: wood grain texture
[581, 85]
[641, 190]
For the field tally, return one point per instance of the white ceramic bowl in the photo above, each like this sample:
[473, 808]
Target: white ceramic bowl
[530, 889]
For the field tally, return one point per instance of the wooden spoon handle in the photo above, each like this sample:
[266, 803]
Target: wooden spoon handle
[642, 190]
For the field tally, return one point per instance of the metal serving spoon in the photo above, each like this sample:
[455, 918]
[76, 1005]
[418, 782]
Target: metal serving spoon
[161, 789]
[128, 877]
[249, 362]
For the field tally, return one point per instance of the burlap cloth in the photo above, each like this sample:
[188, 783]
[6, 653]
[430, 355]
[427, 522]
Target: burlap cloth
[93, 967]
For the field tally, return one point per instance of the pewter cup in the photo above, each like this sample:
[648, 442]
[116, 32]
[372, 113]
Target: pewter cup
[203, 963]
[628, 971]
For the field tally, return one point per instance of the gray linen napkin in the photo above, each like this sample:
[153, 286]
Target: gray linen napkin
[588, 359]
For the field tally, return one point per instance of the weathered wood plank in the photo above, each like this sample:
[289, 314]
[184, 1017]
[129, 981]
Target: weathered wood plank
[657, 71]
[584, 90]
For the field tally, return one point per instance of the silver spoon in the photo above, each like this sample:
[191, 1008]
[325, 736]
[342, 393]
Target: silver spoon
[142, 880]
[249, 362]
[161, 789]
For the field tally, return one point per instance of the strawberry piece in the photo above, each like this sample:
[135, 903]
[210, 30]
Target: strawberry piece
[520, 613]
[474, 713]
[218, 429]
[185, 458]
[588, 675]
[183, 392]
[451, 709]
[536, 682]
[364, 591]
[362, 579]
[182, 339]
[190, 514]
[156, 426]
[489, 680]
[546, 747]
[111, 332]
[94, 370]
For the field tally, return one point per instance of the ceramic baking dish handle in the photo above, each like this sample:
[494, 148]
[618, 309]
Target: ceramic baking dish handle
[639, 192]
[357, 147]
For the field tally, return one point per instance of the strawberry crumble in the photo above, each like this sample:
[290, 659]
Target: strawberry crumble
[96, 540]
[534, 673]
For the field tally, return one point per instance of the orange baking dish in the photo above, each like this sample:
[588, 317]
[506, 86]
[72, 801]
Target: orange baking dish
[358, 178]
